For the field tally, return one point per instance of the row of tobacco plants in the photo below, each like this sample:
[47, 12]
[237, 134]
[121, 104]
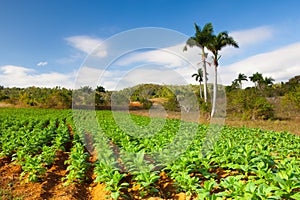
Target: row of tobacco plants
[137, 155]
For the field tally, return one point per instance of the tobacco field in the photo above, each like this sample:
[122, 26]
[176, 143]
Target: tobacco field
[137, 157]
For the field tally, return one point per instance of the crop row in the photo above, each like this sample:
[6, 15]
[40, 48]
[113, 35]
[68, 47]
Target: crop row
[135, 154]
[33, 138]
[242, 164]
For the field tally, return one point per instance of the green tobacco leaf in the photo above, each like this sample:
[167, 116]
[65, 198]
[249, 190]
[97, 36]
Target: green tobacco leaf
[296, 196]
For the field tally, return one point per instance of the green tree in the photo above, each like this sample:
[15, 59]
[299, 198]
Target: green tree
[234, 85]
[86, 89]
[199, 78]
[100, 89]
[291, 99]
[84, 96]
[201, 39]
[268, 81]
[240, 78]
[100, 94]
[216, 43]
[257, 79]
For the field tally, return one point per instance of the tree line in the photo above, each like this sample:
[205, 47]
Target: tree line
[262, 101]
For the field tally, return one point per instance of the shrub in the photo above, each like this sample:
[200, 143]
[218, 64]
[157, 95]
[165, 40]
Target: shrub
[172, 104]
[249, 105]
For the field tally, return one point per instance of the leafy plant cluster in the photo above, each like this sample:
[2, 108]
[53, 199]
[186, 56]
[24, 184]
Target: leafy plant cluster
[243, 164]
[32, 139]
[77, 163]
[134, 151]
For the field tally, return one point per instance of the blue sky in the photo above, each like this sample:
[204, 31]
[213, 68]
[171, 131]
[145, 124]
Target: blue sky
[46, 42]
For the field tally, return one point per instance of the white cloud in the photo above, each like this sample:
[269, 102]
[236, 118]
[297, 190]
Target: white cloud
[253, 36]
[169, 65]
[160, 56]
[17, 76]
[174, 55]
[41, 64]
[281, 64]
[16, 71]
[87, 45]
[87, 76]
[148, 74]
[248, 38]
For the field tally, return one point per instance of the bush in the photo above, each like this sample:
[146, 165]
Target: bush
[172, 104]
[249, 105]
[262, 109]
[146, 104]
[292, 99]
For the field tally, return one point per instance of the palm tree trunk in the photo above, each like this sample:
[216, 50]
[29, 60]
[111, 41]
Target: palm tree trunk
[200, 90]
[204, 75]
[213, 110]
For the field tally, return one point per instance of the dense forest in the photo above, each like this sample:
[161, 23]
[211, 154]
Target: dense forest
[265, 100]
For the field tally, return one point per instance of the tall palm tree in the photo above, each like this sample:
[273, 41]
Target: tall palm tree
[199, 78]
[241, 77]
[201, 40]
[257, 79]
[214, 46]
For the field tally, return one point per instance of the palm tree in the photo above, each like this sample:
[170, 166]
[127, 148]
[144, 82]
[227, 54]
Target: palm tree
[234, 84]
[241, 77]
[201, 39]
[257, 79]
[199, 77]
[269, 81]
[216, 43]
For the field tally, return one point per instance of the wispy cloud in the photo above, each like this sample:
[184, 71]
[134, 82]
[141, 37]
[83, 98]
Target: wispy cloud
[174, 55]
[88, 76]
[151, 74]
[155, 56]
[253, 36]
[281, 64]
[14, 70]
[87, 45]
[41, 64]
[18, 76]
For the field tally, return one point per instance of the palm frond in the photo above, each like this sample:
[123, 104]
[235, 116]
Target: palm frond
[191, 42]
[201, 38]
[208, 28]
[197, 29]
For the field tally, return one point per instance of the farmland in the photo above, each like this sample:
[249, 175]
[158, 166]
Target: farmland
[64, 154]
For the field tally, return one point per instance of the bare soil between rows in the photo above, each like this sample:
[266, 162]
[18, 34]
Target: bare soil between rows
[52, 187]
